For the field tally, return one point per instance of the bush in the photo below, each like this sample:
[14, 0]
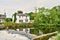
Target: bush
[10, 25]
[47, 29]
[58, 37]
[34, 31]
[25, 25]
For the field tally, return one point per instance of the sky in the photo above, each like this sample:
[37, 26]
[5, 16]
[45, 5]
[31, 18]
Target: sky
[12, 6]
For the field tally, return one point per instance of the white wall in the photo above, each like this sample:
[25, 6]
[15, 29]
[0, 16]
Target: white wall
[22, 18]
[1, 20]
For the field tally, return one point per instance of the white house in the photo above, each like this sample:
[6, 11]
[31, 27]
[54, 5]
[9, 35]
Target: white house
[2, 17]
[22, 18]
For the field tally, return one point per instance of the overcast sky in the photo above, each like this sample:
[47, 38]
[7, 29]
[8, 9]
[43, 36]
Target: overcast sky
[11, 6]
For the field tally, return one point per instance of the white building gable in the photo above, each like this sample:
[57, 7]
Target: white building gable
[22, 18]
[2, 17]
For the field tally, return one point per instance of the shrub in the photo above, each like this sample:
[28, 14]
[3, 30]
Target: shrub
[34, 31]
[58, 37]
[10, 25]
[47, 29]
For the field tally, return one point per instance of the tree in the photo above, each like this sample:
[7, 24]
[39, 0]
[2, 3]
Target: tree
[14, 15]
[8, 19]
[32, 15]
[44, 22]
[10, 25]
[41, 10]
[19, 11]
[56, 10]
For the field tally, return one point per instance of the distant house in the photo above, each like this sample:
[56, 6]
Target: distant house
[2, 17]
[22, 18]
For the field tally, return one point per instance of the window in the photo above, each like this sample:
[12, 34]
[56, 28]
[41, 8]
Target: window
[26, 20]
[20, 20]
[26, 16]
[19, 16]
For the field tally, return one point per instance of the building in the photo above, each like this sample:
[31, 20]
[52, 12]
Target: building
[22, 18]
[2, 17]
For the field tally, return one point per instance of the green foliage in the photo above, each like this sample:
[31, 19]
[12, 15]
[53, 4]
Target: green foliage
[20, 12]
[47, 23]
[47, 29]
[25, 25]
[8, 19]
[10, 25]
[22, 25]
[14, 15]
[58, 37]
[34, 31]
[41, 10]
[32, 15]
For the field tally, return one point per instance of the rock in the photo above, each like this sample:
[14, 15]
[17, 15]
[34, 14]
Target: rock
[4, 35]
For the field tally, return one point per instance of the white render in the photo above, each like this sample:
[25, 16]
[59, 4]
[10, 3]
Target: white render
[23, 18]
[2, 17]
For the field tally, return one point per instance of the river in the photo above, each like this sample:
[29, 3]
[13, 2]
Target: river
[5, 35]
